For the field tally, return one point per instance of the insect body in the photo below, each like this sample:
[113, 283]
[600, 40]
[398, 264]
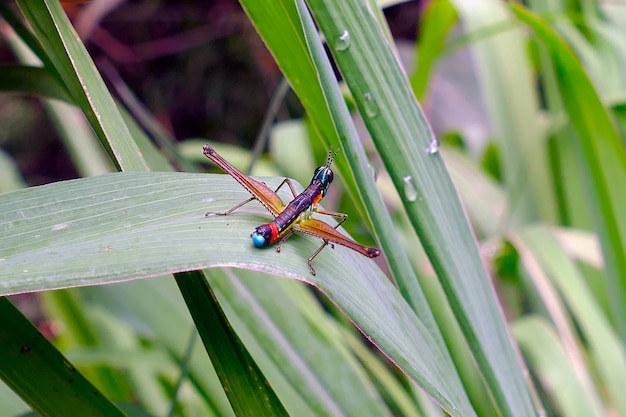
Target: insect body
[295, 216]
[299, 208]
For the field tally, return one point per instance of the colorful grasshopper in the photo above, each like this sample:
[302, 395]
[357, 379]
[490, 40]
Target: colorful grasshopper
[295, 216]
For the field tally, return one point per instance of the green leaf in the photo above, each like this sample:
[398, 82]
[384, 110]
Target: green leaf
[549, 266]
[297, 336]
[551, 366]
[436, 23]
[247, 389]
[402, 135]
[510, 98]
[10, 177]
[80, 76]
[601, 156]
[122, 226]
[328, 113]
[30, 80]
[38, 372]
[158, 314]
[280, 26]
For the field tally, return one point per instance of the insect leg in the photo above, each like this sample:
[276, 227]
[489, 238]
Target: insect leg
[310, 260]
[282, 239]
[290, 184]
[227, 212]
[341, 216]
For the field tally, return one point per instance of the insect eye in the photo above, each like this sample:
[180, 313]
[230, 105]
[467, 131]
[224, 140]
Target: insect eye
[329, 176]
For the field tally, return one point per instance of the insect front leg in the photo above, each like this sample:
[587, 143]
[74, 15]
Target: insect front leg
[290, 184]
[283, 239]
[227, 212]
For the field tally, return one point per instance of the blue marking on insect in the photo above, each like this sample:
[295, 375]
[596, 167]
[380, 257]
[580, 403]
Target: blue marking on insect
[258, 240]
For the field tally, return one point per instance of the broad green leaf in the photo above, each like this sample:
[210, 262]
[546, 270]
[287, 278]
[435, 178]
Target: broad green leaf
[68, 57]
[297, 336]
[272, 329]
[123, 226]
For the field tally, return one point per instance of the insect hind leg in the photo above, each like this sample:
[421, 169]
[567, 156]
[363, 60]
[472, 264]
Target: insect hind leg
[317, 252]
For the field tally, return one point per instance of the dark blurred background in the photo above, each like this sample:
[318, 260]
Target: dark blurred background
[198, 66]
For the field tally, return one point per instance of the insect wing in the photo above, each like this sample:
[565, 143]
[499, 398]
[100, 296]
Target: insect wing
[324, 231]
[259, 190]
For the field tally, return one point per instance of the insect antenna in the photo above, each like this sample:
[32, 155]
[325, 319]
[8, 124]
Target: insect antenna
[331, 156]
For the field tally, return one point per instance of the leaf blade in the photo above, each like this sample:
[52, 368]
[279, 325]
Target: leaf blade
[128, 225]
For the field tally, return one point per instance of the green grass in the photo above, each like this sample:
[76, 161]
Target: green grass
[552, 233]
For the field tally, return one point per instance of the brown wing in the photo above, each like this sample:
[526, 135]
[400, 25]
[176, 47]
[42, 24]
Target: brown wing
[259, 190]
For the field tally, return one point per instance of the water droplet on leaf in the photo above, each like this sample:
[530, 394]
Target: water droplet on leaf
[433, 147]
[410, 192]
[374, 172]
[371, 107]
[343, 41]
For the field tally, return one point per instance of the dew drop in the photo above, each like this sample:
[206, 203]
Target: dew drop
[343, 41]
[410, 192]
[433, 147]
[371, 107]
[374, 172]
